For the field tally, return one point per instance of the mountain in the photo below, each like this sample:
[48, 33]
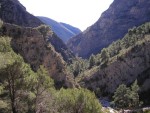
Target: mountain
[12, 11]
[64, 31]
[34, 45]
[112, 25]
[37, 43]
[122, 62]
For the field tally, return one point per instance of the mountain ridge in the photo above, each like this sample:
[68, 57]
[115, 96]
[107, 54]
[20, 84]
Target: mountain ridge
[112, 25]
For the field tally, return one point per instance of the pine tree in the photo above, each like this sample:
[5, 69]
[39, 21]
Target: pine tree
[127, 97]
[14, 82]
[91, 61]
[104, 58]
[14, 77]
[41, 86]
[77, 69]
[135, 102]
[122, 96]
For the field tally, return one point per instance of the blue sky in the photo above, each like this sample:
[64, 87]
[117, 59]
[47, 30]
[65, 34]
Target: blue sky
[79, 13]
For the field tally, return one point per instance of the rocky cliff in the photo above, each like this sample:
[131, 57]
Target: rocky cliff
[112, 25]
[11, 11]
[34, 45]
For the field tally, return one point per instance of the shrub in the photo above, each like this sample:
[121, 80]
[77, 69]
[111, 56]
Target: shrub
[77, 101]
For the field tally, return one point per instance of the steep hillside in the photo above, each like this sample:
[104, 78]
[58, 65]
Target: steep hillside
[11, 11]
[112, 25]
[122, 62]
[34, 45]
[61, 48]
[64, 31]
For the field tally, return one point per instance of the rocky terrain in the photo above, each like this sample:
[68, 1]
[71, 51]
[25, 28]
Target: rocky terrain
[11, 11]
[34, 45]
[38, 45]
[64, 31]
[112, 25]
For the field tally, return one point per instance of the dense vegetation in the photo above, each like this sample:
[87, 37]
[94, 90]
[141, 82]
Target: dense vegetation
[125, 97]
[25, 91]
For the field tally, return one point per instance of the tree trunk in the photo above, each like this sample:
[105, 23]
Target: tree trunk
[14, 109]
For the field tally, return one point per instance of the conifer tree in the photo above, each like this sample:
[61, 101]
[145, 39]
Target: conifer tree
[122, 96]
[91, 61]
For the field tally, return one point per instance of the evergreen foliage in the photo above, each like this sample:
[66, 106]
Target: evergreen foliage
[43, 29]
[125, 97]
[121, 96]
[91, 61]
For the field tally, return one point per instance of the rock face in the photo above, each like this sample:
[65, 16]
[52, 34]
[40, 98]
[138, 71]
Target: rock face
[112, 25]
[11, 11]
[34, 45]
[61, 48]
[64, 31]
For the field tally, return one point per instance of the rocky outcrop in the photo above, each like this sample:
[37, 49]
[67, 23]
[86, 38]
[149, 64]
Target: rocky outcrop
[112, 25]
[61, 48]
[64, 31]
[11, 11]
[34, 45]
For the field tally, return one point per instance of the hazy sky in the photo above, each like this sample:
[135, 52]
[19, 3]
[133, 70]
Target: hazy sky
[79, 13]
